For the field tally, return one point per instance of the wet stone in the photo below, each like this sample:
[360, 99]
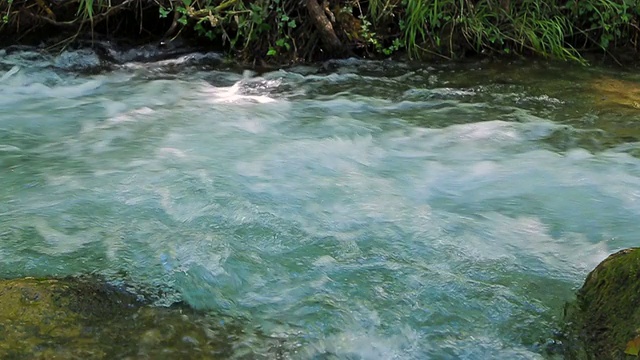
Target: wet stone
[611, 92]
[89, 319]
[83, 60]
[606, 316]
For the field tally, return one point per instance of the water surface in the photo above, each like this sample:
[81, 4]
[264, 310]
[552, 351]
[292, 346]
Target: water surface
[361, 211]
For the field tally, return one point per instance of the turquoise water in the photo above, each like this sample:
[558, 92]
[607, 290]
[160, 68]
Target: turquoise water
[367, 211]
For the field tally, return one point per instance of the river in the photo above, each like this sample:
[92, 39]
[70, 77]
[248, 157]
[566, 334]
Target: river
[356, 210]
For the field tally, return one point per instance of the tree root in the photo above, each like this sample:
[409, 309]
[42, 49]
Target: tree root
[173, 29]
[328, 36]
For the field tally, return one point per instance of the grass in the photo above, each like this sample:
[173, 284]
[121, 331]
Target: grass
[282, 29]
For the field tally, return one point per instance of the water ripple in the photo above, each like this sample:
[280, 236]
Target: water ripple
[352, 214]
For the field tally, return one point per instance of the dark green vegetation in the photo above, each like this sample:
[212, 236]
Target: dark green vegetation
[84, 318]
[606, 317]
[294, 30]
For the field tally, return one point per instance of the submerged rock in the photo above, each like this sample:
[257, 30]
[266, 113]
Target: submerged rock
[84, 318]
[610, 92]
[83, 60]
[606, 315]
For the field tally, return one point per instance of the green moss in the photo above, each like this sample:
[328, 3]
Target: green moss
[89, 319]
[606, 314]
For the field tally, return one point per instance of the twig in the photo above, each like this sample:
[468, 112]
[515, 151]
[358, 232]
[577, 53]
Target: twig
[203, 13]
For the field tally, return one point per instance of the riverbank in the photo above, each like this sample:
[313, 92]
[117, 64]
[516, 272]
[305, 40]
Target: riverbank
[290, 31]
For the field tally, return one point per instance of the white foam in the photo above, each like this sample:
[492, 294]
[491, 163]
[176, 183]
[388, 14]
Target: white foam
[14, 70]
[365, 345]
[232, 94]
[9, 148]
[58, 243]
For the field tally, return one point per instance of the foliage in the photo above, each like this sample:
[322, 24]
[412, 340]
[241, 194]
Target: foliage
[281, 30]
[633, 346]
[263, 26]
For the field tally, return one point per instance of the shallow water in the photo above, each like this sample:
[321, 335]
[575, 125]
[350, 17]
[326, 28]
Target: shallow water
[365, 210]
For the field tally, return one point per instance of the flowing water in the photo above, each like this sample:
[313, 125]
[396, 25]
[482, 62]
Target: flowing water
[358, 210]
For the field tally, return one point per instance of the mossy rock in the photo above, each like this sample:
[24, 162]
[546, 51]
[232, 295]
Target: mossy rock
[606, 314]
[85, 318]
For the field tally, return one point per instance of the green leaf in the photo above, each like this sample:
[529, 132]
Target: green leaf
[633, 347]
[292, 24]
[163, 12]
[264, 27]
[272, 52]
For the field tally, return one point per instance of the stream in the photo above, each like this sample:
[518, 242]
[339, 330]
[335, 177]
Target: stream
[350, 210]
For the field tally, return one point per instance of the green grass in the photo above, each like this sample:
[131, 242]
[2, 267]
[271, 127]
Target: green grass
[281, 29]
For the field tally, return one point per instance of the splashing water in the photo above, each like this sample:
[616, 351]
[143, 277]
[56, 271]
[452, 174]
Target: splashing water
[359, 214]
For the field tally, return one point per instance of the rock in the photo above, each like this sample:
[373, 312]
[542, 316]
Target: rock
[610, 92]
[85, 318]
[156, 51]
[615, 104]
[83, 60]
[606, 314]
